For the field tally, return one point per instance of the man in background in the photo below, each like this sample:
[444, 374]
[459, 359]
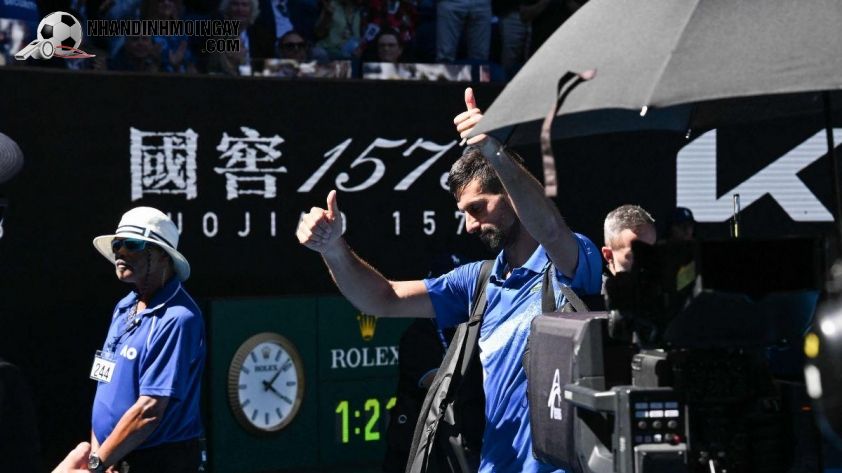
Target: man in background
[624, 225]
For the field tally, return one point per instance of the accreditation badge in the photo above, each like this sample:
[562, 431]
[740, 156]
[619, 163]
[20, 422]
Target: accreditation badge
[103, 368]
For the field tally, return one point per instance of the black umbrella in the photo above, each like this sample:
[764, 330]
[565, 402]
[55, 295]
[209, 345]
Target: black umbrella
[653, 55]
[679, 65]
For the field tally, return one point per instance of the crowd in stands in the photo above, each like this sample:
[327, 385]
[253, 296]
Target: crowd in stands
[497, 34]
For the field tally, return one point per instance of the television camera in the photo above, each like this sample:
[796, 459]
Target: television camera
[695, 367]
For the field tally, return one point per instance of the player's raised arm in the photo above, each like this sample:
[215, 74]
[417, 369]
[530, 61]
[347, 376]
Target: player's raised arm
[538, 214]
[321, 231]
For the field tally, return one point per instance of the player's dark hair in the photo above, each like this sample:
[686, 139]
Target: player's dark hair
[474, 166]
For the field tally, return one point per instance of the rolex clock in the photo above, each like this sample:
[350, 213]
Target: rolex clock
[265, 383]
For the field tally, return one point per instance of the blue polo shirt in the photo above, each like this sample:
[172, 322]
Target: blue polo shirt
[163, 356]
[512, 304]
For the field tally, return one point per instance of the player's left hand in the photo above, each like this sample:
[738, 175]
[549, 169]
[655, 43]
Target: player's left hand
[466, 121]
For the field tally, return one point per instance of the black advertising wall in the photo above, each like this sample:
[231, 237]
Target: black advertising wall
[236, 162]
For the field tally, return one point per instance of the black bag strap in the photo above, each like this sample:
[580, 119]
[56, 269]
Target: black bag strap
[480, 302]
[453, 368]
[548, 294]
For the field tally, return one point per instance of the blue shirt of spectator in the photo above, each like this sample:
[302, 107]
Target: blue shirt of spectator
[173, 58]
[170, 44]
[512, 304]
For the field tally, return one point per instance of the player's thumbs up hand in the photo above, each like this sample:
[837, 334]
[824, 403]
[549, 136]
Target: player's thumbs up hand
[470, 100]
[320, 229]
[466, 121]
[333, 206]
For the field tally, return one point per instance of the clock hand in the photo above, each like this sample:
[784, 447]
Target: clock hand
[272, 381]
[269, 387]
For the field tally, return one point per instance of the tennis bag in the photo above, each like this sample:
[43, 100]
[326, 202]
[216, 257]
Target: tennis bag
[448, 435]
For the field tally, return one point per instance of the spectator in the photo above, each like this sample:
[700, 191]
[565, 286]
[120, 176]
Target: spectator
[257, 41]
[118, 10]
[294, 46]
[139, 54]
[229, 63]
[175, 53]
[471, 16]
[546, 16]
[423, 44]
[682, 226]
[390, 48]
[399, 16]
[514, 35]
[275, 17]
[339, 28]
[299, 15]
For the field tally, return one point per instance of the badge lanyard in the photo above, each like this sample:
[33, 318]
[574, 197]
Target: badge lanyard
[112, 347]
[105, 362]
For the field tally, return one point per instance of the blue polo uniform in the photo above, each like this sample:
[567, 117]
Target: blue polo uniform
[163, 356]
[512, 304]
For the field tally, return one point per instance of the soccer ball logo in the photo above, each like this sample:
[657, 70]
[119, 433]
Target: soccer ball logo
[59, 34]
[61, 29]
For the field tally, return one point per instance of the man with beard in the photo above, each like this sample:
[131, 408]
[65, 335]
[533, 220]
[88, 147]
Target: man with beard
[507, 208]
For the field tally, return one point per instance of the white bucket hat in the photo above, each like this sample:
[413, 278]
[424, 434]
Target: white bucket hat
[147, 224]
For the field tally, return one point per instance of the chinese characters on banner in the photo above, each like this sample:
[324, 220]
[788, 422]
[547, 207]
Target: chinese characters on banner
[164, 162]
[249, 161]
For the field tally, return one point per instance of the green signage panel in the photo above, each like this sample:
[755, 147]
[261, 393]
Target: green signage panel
[233, 448]
[354, 345]
[313, 380]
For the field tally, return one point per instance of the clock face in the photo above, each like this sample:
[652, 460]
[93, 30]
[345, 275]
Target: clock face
[265, 383]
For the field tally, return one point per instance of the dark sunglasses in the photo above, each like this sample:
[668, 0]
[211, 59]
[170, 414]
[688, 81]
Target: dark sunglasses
[297, 45]
[130, 244]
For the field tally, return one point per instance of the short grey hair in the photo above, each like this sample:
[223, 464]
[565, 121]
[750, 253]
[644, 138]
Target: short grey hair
[625, 217]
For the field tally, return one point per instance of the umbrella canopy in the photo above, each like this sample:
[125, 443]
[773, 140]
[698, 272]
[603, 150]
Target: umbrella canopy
[681, 62]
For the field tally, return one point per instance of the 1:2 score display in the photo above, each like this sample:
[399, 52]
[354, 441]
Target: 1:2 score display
[367, 422]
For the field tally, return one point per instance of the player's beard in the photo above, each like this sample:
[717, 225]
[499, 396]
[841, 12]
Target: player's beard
[498, 238]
